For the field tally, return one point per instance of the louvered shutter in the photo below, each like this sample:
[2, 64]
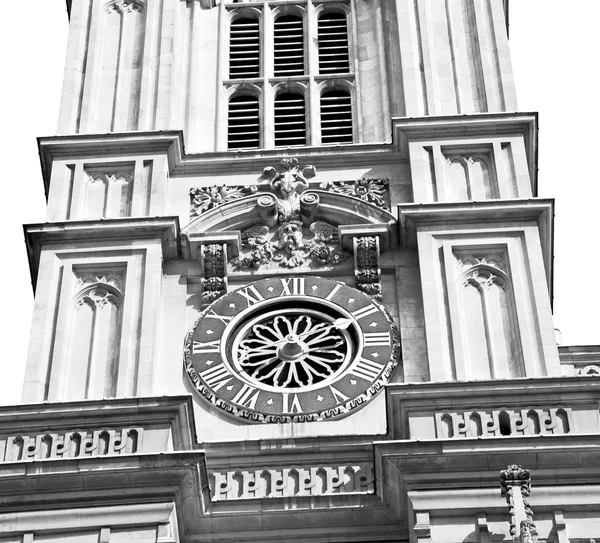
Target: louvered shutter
[244, 127]
[244, 49]
[290, 119]
[336, 117]
[289, 46]
[333, 43]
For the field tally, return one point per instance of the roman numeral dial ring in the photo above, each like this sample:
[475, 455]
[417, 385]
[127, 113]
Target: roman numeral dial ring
[292, 349]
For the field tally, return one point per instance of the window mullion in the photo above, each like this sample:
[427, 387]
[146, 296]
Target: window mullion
[268, 114]
[312, 60]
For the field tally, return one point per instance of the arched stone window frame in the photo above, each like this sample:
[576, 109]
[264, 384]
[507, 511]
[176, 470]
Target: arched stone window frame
[467, 161]
[338, 7]
[341, 84]
[96, 296]
[292, 87]
[247, 89]
[492, 275]
[246, 12]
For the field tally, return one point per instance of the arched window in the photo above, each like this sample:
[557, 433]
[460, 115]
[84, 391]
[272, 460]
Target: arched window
[290, 119]
[244, 48]
[333, 43]
[289, 45]
[244, 124]
[490, 326]
[336, 116]
[95, 340]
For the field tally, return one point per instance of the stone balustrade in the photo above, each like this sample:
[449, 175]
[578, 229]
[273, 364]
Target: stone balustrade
[504, 422]
[277, 482]
[70, 444]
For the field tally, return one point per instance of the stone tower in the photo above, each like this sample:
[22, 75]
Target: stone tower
[294, 284]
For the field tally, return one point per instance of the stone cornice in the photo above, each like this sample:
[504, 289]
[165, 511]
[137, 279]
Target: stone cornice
[171, 143]
[176, 411]
[164, 228]
[541, 210]
[478, 125]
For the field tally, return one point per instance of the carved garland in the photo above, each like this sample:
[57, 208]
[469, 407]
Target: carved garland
[366, 266]
[372, 191]
[214, 267]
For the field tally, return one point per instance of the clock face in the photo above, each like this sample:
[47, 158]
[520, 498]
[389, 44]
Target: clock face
[292, 349]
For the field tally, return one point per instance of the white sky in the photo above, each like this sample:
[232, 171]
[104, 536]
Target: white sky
[555, 52]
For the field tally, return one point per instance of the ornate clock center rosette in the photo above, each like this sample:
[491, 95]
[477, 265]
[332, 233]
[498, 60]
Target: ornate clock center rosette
[292, 349]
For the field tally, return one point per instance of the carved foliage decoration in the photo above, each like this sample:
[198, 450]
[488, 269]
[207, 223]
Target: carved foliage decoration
[372, 191]
[292, 482]
[366, 266]
[203, 199]
[214, 264]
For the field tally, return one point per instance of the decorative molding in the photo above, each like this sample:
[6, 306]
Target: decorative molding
[422, 527]
[366, 266]
[504, 422]
[73, 444]
[203, 199]
[213, 258]
[471, 261]
[106, 178]
[125, 6]
[291, 482]
[592, 370]
[521, 515]
[87, 279]
[372, 191]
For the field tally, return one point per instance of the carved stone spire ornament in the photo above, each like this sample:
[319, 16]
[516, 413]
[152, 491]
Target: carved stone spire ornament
[515, 482]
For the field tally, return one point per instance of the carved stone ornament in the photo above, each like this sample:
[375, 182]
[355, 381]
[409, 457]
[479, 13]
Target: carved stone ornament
[205, 198]
[290, 245]
[213, 258]
[372, 191]
[125, 6]
[87, 279]
[289, 234]
[470, 261]
[291, 349]
[515, 483]
[366, 266]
